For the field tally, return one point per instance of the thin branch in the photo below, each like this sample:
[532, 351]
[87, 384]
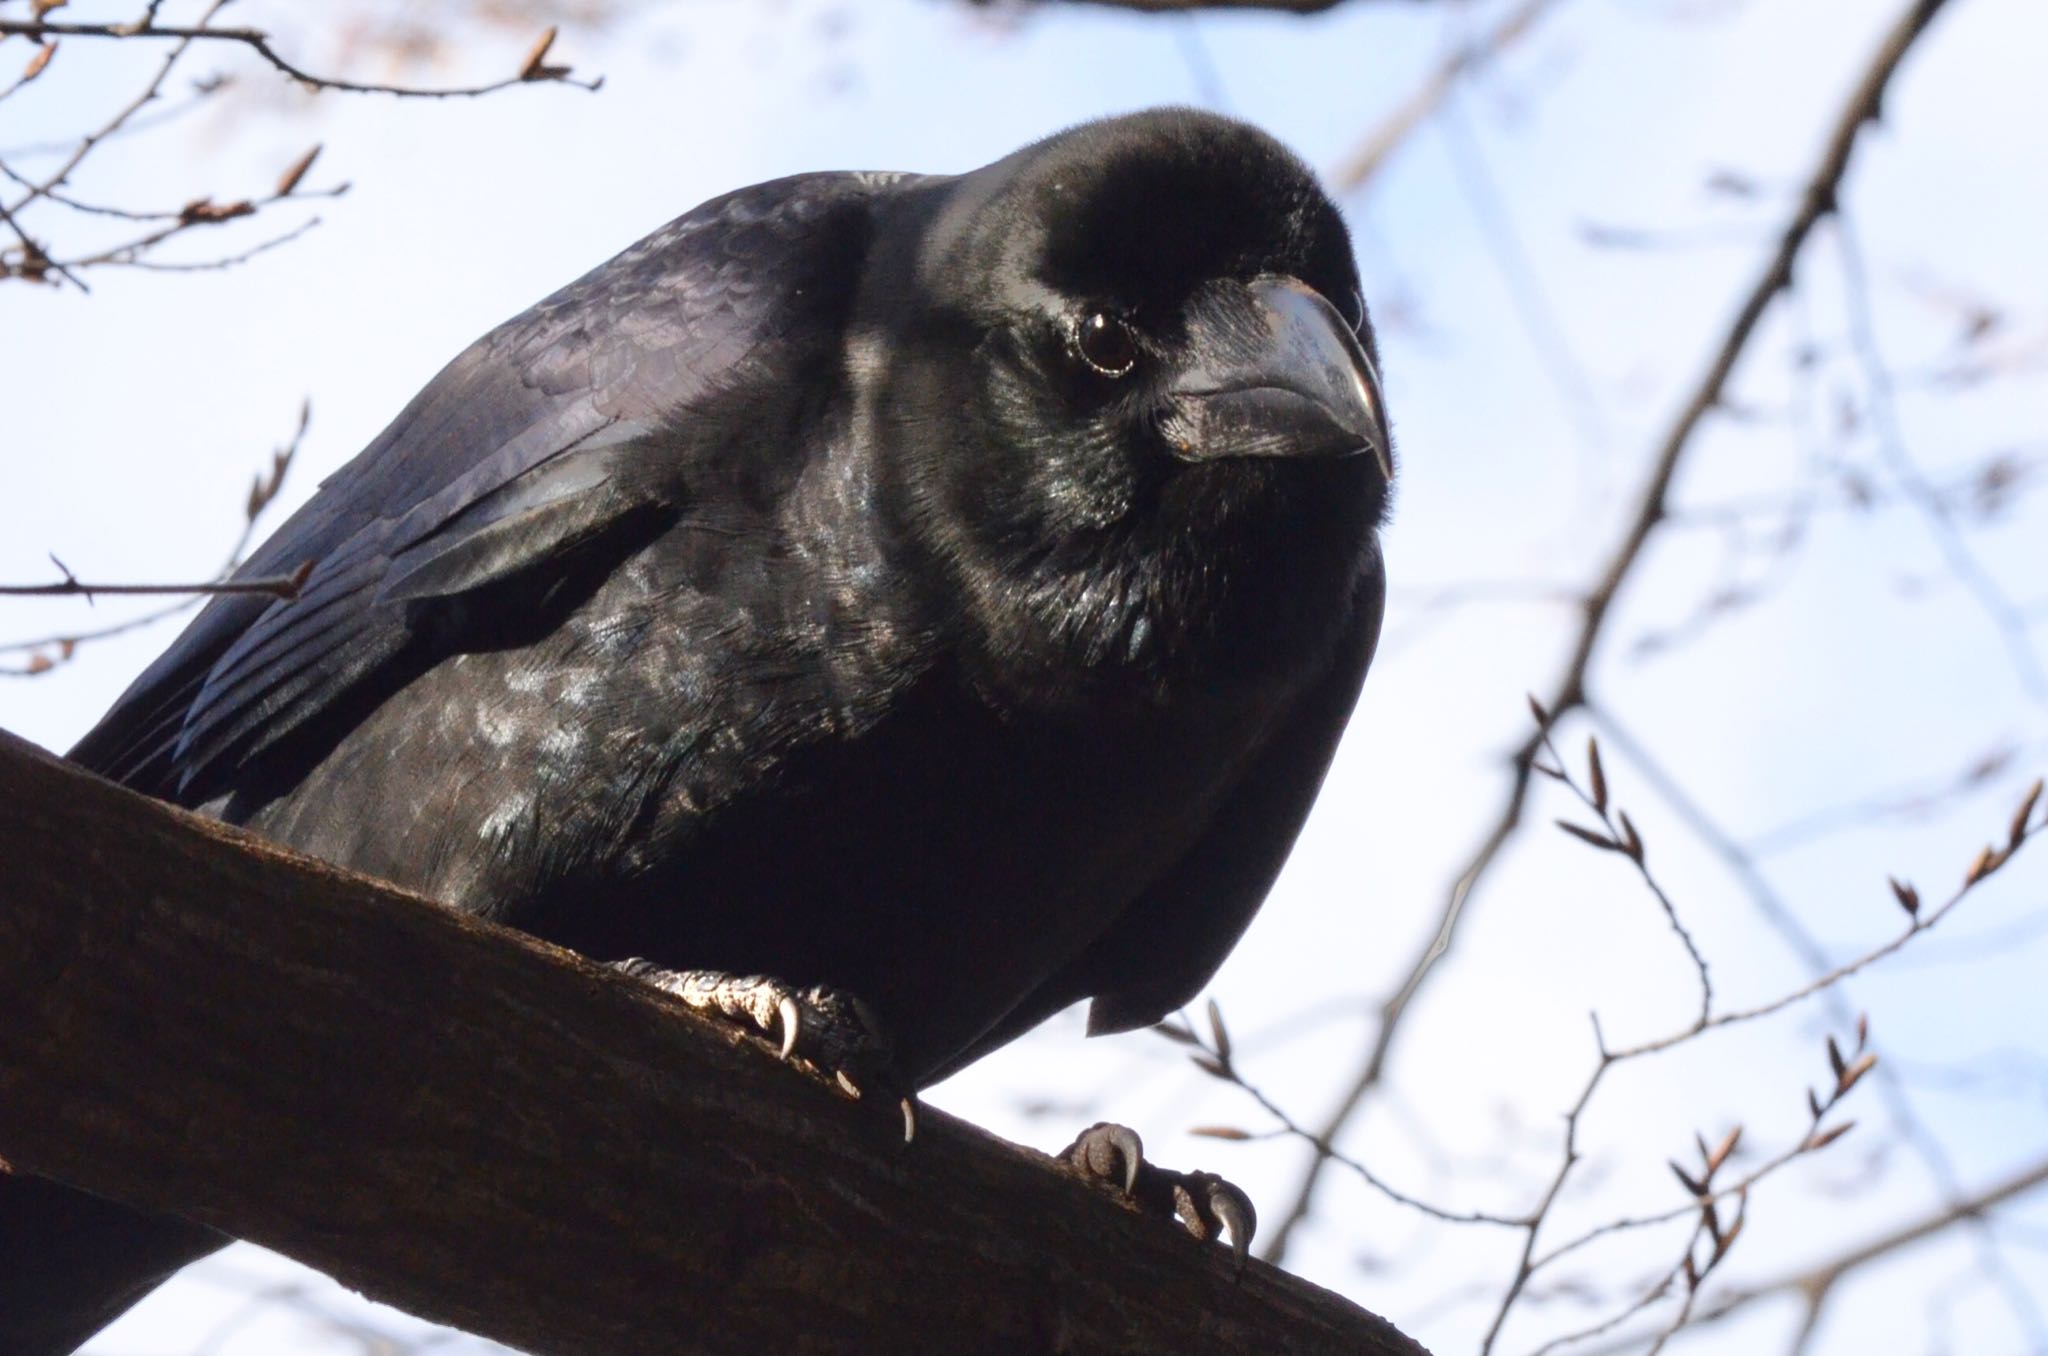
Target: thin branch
[47, 652]
[2013, 627]
[1621, 836]
[1609, 236]
[128, 110]
[1847, 1070]
[1568, 691]
[1215, 1057]
[1220, 1063]
[285, 586]
[37, 64]
[130, 254]
[34, 258]
[198, 211]
[1545, 330]
[1364, 164]
[1982, 490]
[259, 42]
[1817, 1284]
[1890, 1085]
[1525, 1266]
[1918, 922]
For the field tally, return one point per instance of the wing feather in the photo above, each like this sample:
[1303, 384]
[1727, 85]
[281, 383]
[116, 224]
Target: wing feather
[561, 430]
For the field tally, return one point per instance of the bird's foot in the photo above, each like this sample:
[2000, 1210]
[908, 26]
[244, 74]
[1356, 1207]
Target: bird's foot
[827, 1030]
[1203, 1202]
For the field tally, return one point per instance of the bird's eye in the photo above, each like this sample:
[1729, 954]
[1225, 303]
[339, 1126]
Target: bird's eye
[1107, 344]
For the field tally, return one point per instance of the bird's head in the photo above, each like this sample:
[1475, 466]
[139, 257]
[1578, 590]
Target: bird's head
[1126, 392]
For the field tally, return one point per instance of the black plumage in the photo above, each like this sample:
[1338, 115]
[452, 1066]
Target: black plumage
[948, 589]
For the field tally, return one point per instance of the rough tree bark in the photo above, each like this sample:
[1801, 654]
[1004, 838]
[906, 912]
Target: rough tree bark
[496, 1134]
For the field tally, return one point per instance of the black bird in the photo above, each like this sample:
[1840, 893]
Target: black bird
[942, 592]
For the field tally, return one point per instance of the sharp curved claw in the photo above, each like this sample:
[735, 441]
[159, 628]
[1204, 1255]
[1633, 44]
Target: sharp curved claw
[1234, 1209]
[822, 1030]
[1108, 1153]
[1133, 1150]
[792, 1016]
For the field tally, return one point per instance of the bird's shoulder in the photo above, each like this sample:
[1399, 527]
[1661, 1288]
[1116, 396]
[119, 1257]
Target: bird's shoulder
[738, 290]
[573, 424]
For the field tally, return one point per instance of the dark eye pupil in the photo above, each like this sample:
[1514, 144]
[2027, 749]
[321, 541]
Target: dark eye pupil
[1107, 345]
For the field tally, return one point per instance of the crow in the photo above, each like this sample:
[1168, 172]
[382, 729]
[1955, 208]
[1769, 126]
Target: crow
[889, 608]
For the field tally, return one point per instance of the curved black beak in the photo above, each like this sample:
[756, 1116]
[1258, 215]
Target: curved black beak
[1276, 373]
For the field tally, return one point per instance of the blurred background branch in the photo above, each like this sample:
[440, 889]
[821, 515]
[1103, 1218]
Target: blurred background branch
[1569, 690]
[43, 216]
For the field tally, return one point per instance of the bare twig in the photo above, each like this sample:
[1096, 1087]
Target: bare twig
[131, 254]
[91, 140]
[1215, 1056]
[35, 258]
[533, 71]
[284, 586]
[1847, 1071]
[1568, 691]
[47, 652]
[1816, 1285]
[37, 64]
[35, 263]
[1365, 163]
[1919, 919]
[2012, 626]
[1713, 1232]
[1620, 836]
[1219, 1063]
[1785, 922]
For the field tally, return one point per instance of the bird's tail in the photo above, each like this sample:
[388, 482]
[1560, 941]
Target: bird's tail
[71, 1263]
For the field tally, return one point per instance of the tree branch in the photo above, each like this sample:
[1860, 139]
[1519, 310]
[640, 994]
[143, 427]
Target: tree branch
[285, 586]
[46, 652]
[496, 1134]
[1816, 1284]
[1365, 162]
[533, 71]
[34, 256]
[1568, 690]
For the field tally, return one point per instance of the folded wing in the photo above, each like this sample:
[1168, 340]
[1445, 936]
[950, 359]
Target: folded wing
[545, 452]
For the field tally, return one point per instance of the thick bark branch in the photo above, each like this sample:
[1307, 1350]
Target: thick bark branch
[496, 1134]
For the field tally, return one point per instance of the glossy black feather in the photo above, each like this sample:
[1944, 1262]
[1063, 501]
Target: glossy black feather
[789, 595]
[657, 332]
[780, 597]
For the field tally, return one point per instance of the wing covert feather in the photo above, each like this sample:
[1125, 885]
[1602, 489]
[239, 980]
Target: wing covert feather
[557, 427]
